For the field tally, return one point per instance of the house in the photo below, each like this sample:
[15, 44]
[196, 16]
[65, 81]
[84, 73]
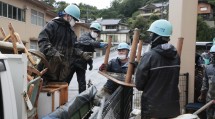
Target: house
[159, 9]
[27, 17]
[81, 28]
[205, 10]
[119, 31]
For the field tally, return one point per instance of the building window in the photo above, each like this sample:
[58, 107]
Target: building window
[110, 27]
[37, 18]
[4, 9]
[203, 9]
[33, 44]
[12, 12]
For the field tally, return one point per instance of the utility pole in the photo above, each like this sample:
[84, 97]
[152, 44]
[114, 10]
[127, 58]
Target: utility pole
[87, 13]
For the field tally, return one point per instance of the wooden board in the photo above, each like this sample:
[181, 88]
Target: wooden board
[118, 78]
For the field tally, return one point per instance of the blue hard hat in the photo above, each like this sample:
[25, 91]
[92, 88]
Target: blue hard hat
[123, 46]
[74, 11]
[161, 27]
[212, 49]
[96, 26]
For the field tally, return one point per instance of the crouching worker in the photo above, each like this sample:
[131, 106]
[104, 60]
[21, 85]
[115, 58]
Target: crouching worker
[117, 65]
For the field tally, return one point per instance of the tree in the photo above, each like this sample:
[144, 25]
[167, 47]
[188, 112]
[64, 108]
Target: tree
[212, 2]
[142, 24]
[49, 2]
[88, 12]
[60, 6]
[204, 32]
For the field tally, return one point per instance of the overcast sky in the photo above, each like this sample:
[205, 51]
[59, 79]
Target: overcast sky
[100, 4]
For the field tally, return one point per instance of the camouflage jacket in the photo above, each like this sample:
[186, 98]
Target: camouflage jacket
[208, 84]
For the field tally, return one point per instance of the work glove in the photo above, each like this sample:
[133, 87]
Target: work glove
[134, 63]
[58, 56]
[103, 45]
[202, 97]
[103, 67]
[86, 55]
[90, 62]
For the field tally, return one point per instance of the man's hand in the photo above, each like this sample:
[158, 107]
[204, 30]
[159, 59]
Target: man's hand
[202, 97]
[90, 62]
[103, 67]
[103, 45]
[135, 63]
[86, 55]
[91, 67]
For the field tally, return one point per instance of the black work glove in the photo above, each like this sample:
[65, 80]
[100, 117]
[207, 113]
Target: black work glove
[202, 97]
[90, 62]
[58, 56]
[135, 63]
[86, 55]
[103, 67]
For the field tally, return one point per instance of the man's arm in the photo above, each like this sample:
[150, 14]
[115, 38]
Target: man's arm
[86, 39]
[45, 36]
[205, 84]
[142, 72]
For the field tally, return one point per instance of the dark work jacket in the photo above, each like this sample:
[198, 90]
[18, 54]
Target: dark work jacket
[115, 66]
[85, 43]
[58, 36]
[157, 76]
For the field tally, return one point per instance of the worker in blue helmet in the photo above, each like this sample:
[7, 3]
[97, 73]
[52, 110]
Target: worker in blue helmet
[157, 74]
[208, 85]
[87, 43]
[57, 42]
[116, 65]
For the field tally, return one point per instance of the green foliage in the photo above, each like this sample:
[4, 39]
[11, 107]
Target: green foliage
[49, 2]
[60, 6]
[204, 32]
[88, 12]
[212, 2]
[142, 23]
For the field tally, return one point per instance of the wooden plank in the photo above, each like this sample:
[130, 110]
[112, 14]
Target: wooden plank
[2, 32]
[132, 56]
[13, 38]
[108, 50]
[6, 38]
[139, 51]
[116, 80]
[180, 45]
[53, 100]
[26, 50]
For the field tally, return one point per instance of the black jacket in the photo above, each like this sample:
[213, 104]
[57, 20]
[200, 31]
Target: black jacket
[58, 36]
[85, 43]
[157, 76]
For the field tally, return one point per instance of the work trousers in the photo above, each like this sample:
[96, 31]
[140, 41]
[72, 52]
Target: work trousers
[80, 78]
